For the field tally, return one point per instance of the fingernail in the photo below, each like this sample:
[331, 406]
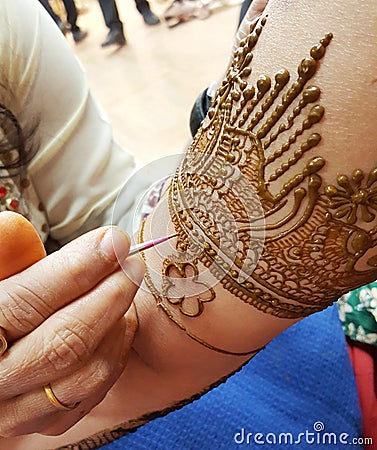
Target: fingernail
[115, 244]
[134, 268]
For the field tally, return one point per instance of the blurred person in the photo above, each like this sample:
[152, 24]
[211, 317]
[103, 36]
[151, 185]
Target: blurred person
[48, 118]
[111, 16]
[180, 11]
[71, 10]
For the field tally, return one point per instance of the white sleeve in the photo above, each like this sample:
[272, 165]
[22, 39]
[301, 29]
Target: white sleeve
[78, 169]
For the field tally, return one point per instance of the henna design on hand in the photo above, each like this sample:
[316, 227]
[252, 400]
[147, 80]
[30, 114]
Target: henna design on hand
[251, 178]
[188, 306]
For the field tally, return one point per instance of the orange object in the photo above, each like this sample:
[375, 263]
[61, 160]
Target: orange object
[20, 244]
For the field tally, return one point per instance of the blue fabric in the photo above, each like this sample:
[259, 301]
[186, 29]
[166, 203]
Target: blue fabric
[303, 377]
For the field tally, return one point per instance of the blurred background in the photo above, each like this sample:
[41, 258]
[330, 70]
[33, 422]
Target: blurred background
[149, 86]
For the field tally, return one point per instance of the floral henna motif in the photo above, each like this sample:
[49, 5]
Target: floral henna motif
[354, 197]
[166, 300]
[189, 305]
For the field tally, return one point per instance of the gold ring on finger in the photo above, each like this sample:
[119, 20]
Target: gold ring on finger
[3, 342]
[55, 401]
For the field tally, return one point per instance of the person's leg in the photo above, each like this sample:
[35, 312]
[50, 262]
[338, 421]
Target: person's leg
[113, 22]
[71, 10]
[144, 9]
[70, 7]
[111, 15]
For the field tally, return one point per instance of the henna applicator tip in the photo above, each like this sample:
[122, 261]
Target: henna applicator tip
[148, 244]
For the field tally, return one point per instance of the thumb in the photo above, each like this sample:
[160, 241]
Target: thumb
[20, 244]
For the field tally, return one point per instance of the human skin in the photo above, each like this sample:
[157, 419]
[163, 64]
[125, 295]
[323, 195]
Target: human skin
[48, 340]
[166, 366]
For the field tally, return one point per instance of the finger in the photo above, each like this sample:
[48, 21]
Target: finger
[20, 244]
[33, 412]
[16, 233]
[93, 399]
[28, 298]
[67, 340]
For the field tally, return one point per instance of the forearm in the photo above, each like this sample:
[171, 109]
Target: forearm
[300, 159]
[291, 151]
[301, 151]
[295, 149]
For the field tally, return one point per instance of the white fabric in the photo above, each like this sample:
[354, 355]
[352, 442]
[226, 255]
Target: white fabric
[78, 169]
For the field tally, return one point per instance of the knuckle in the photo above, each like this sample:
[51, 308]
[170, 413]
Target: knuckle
[22, 307]
[8, 432]
[101, 373]
[69, 346]
[12, 431]
[97, 376]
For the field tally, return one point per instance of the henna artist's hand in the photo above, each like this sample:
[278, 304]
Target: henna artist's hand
[65, 324]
